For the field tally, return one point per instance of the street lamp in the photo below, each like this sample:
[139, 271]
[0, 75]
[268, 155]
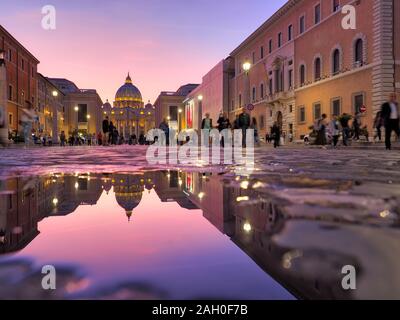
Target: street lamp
[76, 109]
[246, 66]
[2, 57]
[55, 93]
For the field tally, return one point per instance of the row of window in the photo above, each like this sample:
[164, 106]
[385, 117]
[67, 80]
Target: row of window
[335, 108]
[336, 62]
[290, 31]
[9, 57]
[11, 96]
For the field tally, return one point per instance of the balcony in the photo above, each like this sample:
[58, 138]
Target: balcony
[279, 96]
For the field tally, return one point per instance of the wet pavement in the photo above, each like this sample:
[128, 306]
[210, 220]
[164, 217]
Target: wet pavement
[116, 228]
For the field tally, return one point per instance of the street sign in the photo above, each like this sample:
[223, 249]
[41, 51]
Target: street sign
[250, 107]
[363, 109]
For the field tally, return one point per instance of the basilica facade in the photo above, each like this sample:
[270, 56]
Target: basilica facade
[128, 113]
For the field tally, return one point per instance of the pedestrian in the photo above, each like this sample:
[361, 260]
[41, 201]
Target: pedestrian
[321, 131]
[334, 130]
[89, 139]
[255, 128]
[276, 135]
[378, 124]
[164, 128]
[344, 123]
[236, 125]
[390, 115]
[207, 123]
[244, 124]
[62, 139]
[100, 138]
[357, 126]
[223, 124]
[110, 133]
[267, 138]
[27, 118]
[106, 130]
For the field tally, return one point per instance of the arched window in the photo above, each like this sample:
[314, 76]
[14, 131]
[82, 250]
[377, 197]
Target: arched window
[358, 52]
[336, 61]
[317, 69]
[302, 75]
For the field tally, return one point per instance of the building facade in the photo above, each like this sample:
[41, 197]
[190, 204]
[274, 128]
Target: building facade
[82, 108]
[50, 108]
[128, 113]
[304, 64]
[212, 96]
[21, 83]
[170, 106]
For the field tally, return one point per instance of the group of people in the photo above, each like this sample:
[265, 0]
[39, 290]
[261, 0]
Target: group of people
[111, 136]
[388, 118]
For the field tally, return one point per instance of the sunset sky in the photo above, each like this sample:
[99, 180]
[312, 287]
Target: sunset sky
[163, 43]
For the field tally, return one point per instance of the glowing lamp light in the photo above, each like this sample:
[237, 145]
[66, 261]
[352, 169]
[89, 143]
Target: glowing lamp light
[2, 55]
[55, 93]
[201, 195]
[241, 199]
[200, 97]
[76, 108]
[246, 66]
[88, 116]
[55, 201]
[168, 118]
[76, 185]
[180, 110]
[247, 227]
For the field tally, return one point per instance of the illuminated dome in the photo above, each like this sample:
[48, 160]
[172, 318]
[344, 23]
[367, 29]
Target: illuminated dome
[128, 92]
[106, 107]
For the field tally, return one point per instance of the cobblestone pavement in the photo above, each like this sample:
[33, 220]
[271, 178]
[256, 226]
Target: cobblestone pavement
[329, 207]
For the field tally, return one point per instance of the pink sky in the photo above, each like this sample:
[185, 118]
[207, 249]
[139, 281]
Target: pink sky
[163, 44]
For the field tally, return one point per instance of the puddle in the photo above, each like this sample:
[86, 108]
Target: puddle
[191, 235]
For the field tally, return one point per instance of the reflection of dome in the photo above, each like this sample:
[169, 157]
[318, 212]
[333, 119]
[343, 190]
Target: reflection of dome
[128, 92]
[128, 192]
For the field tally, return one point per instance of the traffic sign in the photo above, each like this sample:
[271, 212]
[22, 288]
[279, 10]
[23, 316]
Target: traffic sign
[250, 107]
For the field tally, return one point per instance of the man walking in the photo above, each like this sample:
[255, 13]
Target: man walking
[390, 116]
[106, 130]
[244, 124]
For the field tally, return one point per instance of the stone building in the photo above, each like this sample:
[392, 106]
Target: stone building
[82, 108]
[170, 106]
[211, 96]
[21, 83]
[128, 113]
[50, 108]
[303, 64]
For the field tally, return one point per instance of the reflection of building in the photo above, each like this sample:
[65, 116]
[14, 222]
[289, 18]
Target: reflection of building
[129, 114]
[170, 106]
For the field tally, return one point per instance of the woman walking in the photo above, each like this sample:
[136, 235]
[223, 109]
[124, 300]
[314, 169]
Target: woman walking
[321, 131]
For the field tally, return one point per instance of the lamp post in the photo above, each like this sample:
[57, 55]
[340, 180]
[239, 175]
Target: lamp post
[246, 67]
[88, 123]
[3, 100]
[180, 120]
[200, 113]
